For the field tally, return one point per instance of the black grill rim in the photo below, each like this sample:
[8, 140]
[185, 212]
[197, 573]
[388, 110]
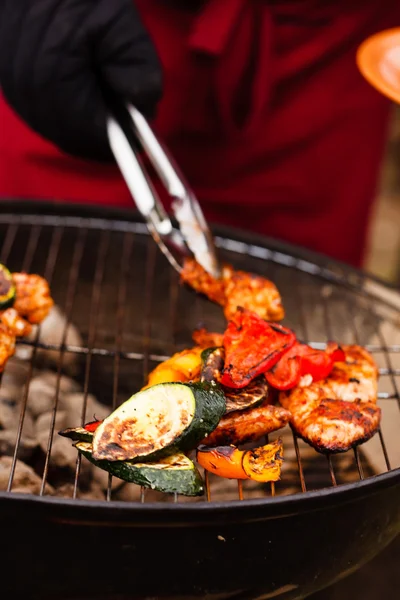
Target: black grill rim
[138, 514]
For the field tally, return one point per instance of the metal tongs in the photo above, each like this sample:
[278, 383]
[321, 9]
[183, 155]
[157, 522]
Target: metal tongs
[193, 236]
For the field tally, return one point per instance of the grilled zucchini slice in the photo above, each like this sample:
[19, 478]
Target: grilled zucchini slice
[79, 434]
[172, 474]
[159, 421]
[7, 288]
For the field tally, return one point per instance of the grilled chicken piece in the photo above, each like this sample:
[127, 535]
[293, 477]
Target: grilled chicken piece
[253, 293]
[236, 288]
[7, 345]
[200, 280]
[33, 300]
[207, 339]
[15, 323]
[340, 411]
[249, 425]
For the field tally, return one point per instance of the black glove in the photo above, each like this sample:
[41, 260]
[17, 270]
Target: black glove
[59, 59]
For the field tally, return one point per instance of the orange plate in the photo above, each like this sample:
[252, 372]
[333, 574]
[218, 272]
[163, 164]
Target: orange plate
[378, 59]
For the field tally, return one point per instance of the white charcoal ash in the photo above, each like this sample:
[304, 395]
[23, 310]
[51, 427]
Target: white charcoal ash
[52, 332]
[25, 479]
[63, 454]
[43, 425]
[8, 415]
[73, 403]
[42, 391]
[10, 412]
[38, 416]
[10, 394]
[26, 446]
[15, 373]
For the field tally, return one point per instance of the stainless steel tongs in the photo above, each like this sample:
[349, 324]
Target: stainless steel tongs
[193, 236]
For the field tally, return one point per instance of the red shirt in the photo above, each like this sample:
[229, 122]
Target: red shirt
[265, 111]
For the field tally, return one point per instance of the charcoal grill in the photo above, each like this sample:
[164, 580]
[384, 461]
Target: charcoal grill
[285, 540]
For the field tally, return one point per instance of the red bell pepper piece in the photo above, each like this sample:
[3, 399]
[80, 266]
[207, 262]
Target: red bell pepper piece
[286, 374]
[252, 346]
[319, 363]
[92, 426]
[336, 352]
[301, 360]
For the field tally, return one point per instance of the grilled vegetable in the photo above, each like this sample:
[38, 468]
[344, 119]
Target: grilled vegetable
[319, 363]
[7, 288]
[249, 425]
[159, 421]
[286, 373]
[183, 366]
[247, 397]
[260, 464]
[172, 474]
[92, 426]
[236, 399]
[212, 364]
[252, 346]
[81, 434]
[301, 360]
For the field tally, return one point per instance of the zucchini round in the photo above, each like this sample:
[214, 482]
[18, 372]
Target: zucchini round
[79, 434]
[172, 474]
[159, 421]
[7, 288]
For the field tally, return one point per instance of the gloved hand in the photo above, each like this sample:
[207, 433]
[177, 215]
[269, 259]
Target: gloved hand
[58, 59]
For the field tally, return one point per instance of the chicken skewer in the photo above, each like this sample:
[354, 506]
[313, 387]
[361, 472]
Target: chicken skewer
[339, 412]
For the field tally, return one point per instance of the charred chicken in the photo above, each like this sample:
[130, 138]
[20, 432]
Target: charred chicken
[236, 288]
[339, 412]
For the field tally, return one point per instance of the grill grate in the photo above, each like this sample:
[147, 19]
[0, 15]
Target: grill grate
[110, 281]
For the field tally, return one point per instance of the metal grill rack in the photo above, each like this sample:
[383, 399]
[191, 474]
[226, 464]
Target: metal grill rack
[110, 280]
